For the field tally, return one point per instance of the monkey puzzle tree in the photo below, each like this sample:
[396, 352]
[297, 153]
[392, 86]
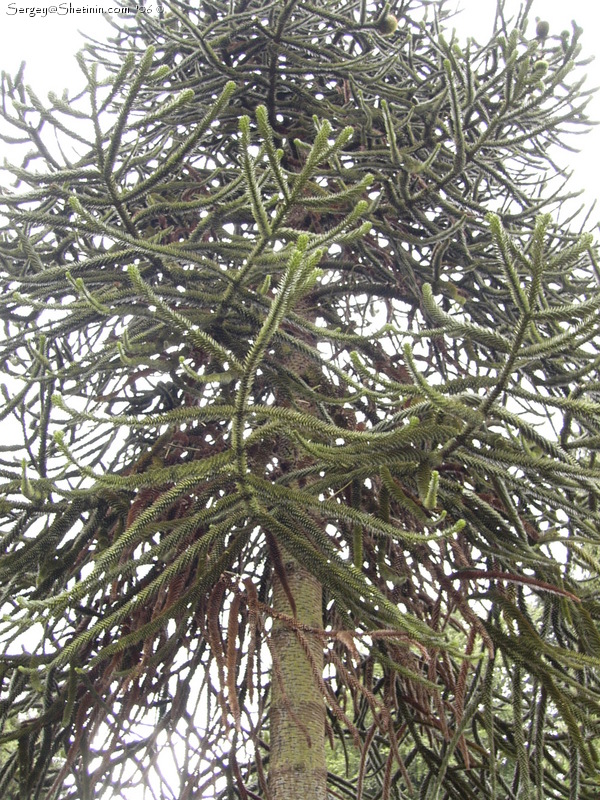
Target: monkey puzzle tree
[307, 384]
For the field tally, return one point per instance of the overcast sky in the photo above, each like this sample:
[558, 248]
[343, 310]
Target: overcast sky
[48, 42]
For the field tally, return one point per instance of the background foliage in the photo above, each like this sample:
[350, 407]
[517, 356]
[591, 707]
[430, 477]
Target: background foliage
[283, 282]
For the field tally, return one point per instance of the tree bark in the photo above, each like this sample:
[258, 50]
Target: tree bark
[297, 766]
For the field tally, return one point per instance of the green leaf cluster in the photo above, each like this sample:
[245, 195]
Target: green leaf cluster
[257, 307]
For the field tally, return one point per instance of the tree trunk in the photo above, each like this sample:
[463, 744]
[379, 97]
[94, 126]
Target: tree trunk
[297, 767]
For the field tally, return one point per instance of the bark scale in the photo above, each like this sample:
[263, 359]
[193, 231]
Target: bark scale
[297, 766]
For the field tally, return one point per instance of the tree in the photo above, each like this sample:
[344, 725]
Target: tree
[306, 370]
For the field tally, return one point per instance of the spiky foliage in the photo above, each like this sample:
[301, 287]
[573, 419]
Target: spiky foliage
[258, 317]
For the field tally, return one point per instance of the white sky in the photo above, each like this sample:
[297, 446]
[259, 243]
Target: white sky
[48, 42]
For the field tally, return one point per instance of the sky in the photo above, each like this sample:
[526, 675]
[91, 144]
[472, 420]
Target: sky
[48, 41]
